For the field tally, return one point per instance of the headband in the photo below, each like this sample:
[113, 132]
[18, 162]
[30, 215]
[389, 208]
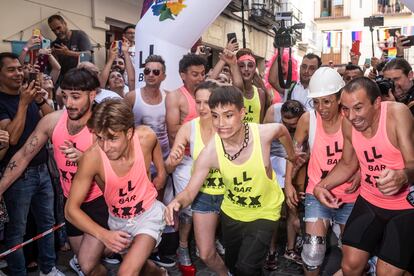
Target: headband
[247, 57]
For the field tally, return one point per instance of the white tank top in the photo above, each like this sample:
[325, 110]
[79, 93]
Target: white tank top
[154, 117]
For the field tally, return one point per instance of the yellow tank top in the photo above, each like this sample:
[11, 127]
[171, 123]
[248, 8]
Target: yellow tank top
[250, 194]
[213, 185]
[252, 107]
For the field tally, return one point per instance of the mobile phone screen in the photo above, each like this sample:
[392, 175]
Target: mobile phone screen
[230, 36]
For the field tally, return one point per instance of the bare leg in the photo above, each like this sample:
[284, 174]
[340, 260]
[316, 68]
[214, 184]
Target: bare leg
[135, 261]
[292, 227]
[89, 256]
[353, 261]
[184, 232]
[75, 243]
[386, 269]
[205, 234]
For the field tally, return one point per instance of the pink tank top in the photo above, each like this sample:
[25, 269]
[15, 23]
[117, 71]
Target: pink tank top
[132, 194]
[192, 113]
[326, 152]
[376, 154]
[67, 169]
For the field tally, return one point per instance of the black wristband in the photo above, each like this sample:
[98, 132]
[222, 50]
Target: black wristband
[41, 103]
[399, 56]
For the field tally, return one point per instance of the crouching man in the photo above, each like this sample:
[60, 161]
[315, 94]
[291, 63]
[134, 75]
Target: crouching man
[119, 162]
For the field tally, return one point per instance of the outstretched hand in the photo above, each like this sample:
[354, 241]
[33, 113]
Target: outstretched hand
[170, 210]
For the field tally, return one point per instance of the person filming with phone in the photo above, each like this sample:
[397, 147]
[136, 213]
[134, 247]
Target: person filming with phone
[69, 44]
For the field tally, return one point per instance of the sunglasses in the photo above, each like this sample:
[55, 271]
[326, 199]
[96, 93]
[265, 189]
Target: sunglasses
[156, 72]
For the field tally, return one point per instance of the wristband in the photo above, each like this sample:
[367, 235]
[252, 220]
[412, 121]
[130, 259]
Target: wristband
[41, 103]
[399, 56]
[26, 49]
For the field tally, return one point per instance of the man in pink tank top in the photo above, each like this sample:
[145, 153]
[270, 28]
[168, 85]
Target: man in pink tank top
[120, 162]
[180, 108]
[70, 137]
[378, 137]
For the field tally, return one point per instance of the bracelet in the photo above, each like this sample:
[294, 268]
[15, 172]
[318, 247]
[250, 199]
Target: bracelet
[41, 103]
[26, 49]
[399, 56]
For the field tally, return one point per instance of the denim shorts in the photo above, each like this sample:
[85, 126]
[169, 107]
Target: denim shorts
[314, 210]
[205, 203]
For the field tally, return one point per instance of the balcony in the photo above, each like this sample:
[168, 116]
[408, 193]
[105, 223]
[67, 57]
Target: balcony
[235, 5]
[261, 15]
[288, 6]
[393, 8]
[332, 9]
[263, 12]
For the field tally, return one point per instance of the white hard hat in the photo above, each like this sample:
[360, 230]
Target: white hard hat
[324, 82]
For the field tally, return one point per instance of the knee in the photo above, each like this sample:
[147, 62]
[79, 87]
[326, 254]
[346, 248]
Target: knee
[313, 251]
[207, 255]
[349, 265]
[87, 266]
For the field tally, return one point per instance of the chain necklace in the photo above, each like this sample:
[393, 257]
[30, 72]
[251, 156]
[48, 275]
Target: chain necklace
[245, 143]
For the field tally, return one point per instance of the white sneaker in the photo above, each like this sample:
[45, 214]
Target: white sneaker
[53, 272]
[220, 248]
[74, 264]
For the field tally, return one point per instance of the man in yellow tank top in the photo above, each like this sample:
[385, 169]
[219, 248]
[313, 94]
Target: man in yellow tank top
[252, 198]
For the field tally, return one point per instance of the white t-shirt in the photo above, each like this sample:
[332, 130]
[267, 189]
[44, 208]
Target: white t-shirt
[300, 94]
[104, 94]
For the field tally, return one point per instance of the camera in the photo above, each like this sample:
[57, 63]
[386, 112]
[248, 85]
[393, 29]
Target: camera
[284, 37]
[385, 85]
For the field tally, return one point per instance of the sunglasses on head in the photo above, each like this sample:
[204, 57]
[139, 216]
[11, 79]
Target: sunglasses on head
[156, 72]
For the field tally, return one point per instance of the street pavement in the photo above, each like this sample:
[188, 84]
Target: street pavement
[285, 267]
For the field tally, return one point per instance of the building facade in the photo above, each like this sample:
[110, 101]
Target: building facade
[340, 22]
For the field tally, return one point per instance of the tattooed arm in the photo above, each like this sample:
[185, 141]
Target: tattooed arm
[33, 144]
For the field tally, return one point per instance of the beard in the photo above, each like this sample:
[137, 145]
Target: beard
[82, 111]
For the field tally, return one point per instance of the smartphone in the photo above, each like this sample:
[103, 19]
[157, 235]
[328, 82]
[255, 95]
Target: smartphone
[45, 43]
[85, 56]
[32, 77]
[36, 32]
[355, 47]
[117, 44]
[230, 36]
[411, 39]
[43, 62]
[367, 61]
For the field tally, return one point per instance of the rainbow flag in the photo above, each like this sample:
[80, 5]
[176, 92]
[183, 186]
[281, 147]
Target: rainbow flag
[392, 52]
[329, 40]
[356, 35]
[333, 39]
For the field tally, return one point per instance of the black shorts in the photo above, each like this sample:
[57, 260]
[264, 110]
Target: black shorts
[388, 234]
[96, 210]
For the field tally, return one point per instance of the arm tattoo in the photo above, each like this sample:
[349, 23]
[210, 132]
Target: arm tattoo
[31, 146]
[11, 165]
